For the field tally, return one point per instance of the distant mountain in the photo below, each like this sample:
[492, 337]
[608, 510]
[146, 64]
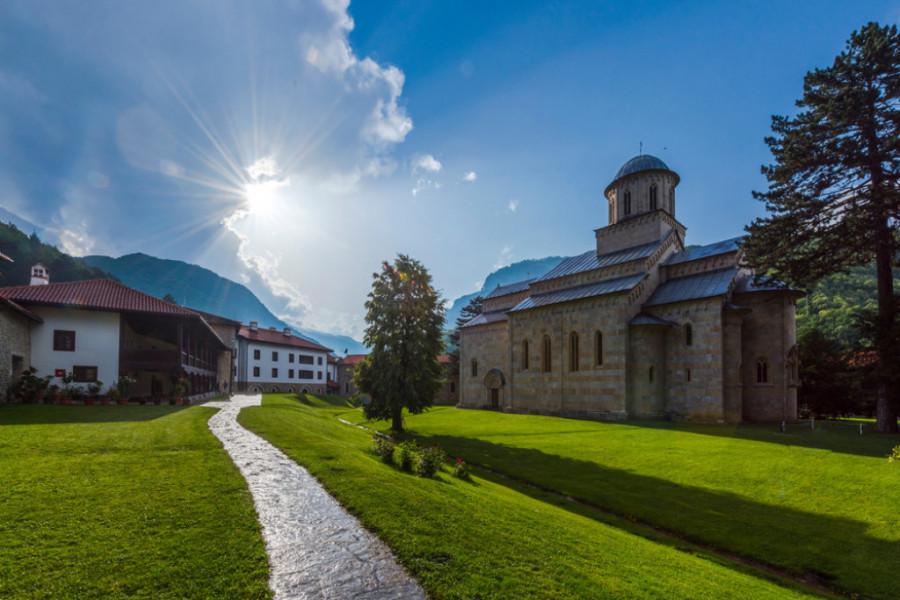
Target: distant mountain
[519, 271]
[201, 289]
[26, 250]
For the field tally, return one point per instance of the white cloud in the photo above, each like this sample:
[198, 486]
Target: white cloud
[470, 176]
[426, 162]
[505, 258]
[264, 167]
[513, 205]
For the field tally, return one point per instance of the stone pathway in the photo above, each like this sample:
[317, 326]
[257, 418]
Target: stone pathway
[316, 549]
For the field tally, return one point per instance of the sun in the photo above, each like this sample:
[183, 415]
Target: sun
[262, 197]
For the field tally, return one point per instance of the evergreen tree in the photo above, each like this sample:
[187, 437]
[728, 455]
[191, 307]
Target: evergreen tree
[833, 196]
[405, 320]
[469, 312]
[170, 299]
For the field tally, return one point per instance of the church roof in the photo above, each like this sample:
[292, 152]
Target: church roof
[642, 162]
[512, 288]
[592, 290]
[723, 247]
[590, 260]
[645, 319]
[494, 316]
[748, 283]
[693, 287]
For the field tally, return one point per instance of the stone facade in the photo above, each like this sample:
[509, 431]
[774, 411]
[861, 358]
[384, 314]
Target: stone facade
[15, 346]
[638, 328]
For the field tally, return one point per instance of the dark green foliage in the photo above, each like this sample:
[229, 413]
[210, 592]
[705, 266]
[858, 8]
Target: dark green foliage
[833, 197]
[26, 250]
[170, 299]
[405, 320]
[828, 384]
[469, 312]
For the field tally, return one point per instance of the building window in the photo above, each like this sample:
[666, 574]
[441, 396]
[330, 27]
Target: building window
[304, 375]
[304, 360]
[63, 340]
[291, 357]
[290, 373]
[524, 355]
[652, 197]
[650, 374]
[688, 335]
[598, 348]
[347, 387]
[274, 372]
[452, 387]
[672, 200]
[546, 358]
[319, 375]
[687, 374]
[762, 371]
[627, 203]
[320, 360]
[274, 357]
[256, 355]
[256, 371]
[85, 374]
[474, 368]
[573, 352]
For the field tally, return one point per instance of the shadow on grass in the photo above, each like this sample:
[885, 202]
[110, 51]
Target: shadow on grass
[836, 436]
[822, 549]
[321, 400]
[44, 414]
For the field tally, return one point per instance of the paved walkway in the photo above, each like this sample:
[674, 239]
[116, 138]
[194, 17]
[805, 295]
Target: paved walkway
[316, 549]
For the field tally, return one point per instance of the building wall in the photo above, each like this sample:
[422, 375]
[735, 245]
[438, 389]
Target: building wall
[225, 363]
[15, 347]
[768, 332]
[488, 345]
[282, 382]
[96, 342]
[345, 380]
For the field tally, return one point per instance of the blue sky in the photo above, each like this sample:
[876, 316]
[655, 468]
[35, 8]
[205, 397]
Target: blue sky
[293, 145]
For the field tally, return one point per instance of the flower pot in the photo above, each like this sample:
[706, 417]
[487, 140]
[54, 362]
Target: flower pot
[104, 400]
[88, 400]
[122, 401]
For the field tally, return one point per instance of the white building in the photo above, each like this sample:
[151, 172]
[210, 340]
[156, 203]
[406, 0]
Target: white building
[272, 360]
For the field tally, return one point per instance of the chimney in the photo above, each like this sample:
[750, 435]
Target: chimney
[40, 275]
[287, 332]
[253, 325]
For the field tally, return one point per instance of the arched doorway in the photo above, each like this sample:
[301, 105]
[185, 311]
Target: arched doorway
[494, 381]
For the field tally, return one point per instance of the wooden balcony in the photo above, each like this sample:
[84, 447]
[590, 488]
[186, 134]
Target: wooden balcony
[132, 361]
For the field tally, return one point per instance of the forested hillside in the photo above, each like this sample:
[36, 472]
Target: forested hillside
[27, 250]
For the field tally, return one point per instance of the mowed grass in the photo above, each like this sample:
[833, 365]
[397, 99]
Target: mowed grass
[123, 502]
[822, 504]
[491, 537]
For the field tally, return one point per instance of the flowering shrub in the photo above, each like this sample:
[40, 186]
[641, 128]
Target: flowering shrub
[384, 448]
[429, 461]
[462, 469]
[409, 450]
[895, 455]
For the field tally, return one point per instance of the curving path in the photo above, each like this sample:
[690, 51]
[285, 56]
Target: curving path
[316, 549]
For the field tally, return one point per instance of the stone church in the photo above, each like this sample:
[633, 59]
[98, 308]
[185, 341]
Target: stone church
[638, 327]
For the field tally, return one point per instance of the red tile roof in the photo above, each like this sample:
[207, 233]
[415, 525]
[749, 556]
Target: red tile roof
[269, 336]
[20, 309]
[352, 359]
[332, 359]
[94, 294]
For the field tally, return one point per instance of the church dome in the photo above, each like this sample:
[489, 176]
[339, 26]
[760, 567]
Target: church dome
[643, 162]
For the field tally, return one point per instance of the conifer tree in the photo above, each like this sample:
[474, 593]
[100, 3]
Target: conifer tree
[405, 320]
[833, 197]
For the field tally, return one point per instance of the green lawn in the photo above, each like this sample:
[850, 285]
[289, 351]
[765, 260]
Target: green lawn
[123, 502]
[493, 538]
[824, 503]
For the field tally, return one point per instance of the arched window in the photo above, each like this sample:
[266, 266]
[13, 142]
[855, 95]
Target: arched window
[652, 197]
[474, 367]
[598, 348]
[672, 200]
[546, 359]
[650, 374]
[688, 334]
[762, 371]
[573, 351]
[524, 355]
[687, 374]
[627, 203]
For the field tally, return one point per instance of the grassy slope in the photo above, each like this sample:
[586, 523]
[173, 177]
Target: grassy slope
[123, 502]
[488, 539]
[823, 503]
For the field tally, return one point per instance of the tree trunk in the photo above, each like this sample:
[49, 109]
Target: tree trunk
[886, 421]
[397, 420]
